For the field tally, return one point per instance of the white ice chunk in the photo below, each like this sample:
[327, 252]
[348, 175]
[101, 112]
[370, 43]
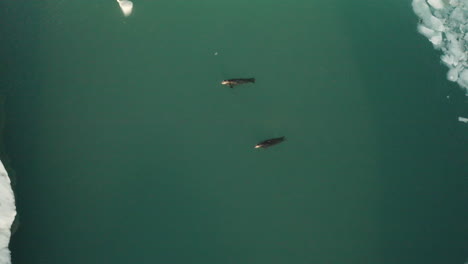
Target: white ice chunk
[463, 78]
[445, 24]
[427, 32]
[126, 6]
[436, 40]
[452, 75]
[7, 215]
[437, 4]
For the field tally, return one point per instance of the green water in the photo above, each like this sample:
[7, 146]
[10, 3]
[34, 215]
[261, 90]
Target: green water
[127, 149]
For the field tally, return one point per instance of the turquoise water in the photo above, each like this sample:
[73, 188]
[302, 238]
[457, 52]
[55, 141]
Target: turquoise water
[127, 149]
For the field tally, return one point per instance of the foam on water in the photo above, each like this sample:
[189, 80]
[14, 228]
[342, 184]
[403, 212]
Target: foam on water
[444, 23]
[7, 214]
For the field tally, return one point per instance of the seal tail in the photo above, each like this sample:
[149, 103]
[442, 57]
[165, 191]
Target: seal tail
[252, 80]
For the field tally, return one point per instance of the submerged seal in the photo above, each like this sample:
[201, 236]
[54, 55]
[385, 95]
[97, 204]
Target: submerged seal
[234, 82]
[270, 142]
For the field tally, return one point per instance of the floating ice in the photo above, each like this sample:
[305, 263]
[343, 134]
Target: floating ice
[444, 23]
[437, 4]
[7, 215]
[463, 119]
[126, 6]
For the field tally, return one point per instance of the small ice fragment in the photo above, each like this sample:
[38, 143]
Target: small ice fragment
[463, 78]
[437, 4]
[463, 119]
[126, 6]
[452, 74]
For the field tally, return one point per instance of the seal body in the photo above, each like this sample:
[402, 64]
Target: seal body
[234, 82]
[270, 142]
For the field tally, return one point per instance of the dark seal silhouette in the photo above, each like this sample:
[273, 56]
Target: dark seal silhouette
[234, 82]
[270, 142]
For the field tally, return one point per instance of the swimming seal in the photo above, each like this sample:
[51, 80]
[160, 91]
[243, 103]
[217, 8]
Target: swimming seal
[270, 142]
[234, 82]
